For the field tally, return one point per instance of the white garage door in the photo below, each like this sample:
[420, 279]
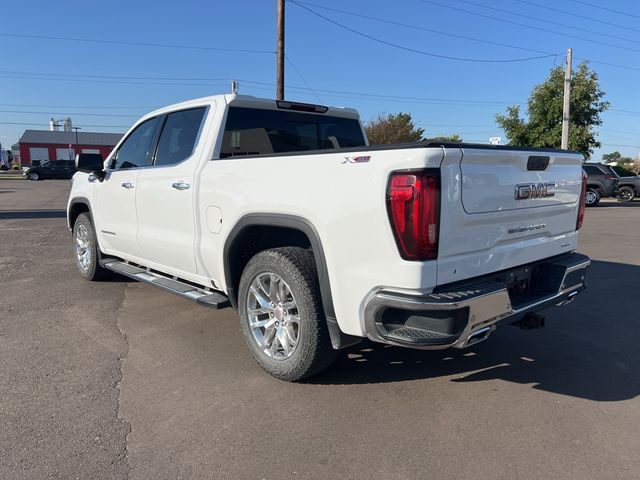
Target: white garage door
[37, 153]
[65, 154]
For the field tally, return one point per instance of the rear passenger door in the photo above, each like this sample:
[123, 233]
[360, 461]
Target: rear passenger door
[165, 195]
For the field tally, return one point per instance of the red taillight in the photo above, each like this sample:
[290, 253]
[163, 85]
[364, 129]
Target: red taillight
[413, 201]
[583, 201]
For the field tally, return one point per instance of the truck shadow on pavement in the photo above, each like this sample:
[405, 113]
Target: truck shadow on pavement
[589, 348]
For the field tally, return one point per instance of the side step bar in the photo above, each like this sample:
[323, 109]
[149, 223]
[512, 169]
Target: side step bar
[204, 297]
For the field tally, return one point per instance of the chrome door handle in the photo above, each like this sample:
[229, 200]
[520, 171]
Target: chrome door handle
[128, 184]
[181, 186]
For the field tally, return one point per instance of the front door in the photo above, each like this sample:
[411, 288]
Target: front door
[115, 197]
[165, 195]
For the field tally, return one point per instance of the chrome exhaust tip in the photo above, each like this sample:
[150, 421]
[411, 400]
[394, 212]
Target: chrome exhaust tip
[479, 335]
[570, 298]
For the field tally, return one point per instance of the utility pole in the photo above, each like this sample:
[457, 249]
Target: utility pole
[565, 102]
[280, 52]
[76, 129]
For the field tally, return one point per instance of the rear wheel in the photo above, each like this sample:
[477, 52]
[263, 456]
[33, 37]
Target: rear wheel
[626, 194]
[592, 198]
[86, 249]
[281, 315]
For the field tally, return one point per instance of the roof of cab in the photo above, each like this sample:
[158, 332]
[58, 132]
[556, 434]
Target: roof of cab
[247, 101]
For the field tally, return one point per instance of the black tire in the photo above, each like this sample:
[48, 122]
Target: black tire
[33, 176]
[313, 352]
[91, 270]
[592, 197]
[626, 194]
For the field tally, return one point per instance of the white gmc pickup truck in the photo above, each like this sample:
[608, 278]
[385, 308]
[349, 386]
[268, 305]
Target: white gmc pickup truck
[282, 211]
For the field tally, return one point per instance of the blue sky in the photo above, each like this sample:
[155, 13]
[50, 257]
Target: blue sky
[105, 86]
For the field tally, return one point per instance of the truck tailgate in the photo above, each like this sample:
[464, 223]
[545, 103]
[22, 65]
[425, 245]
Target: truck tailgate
[504, 208]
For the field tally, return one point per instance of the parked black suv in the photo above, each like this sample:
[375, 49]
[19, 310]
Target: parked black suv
[57, 169]
[602, 181]
[629, 188]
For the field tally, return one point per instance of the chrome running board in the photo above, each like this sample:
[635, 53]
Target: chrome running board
[201, 295]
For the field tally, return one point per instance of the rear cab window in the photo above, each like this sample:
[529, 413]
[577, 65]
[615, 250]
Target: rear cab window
[255, 131]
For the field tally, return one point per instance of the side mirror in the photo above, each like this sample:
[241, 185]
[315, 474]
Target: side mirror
[90, 163]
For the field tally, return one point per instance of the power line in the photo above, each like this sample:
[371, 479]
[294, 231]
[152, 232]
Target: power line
[270, 84]
[544, 20]
[629, 138]
[69, 113]
[598, 62]
[628, 113]
[135, 44]
[626, 14]
[302, 78]
[573, 14]
[413, 50]
[117, 77]
[464, 37]
[109, 82]
[416, 27]
[634, 134]
[25, 105]
[82, 125]
[620, 145]
[471, 12]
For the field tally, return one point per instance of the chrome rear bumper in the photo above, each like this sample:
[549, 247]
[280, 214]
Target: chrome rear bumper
[468, 313]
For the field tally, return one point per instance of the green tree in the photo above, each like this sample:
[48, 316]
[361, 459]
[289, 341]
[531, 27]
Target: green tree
[543, 125]
[624, 166]
[446, 138]
[392, 128]
[612, 157]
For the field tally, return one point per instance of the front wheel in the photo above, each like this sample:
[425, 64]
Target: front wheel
[592, 198]
[33, 176]
[86, 249]
[626, 194]
[281, 315]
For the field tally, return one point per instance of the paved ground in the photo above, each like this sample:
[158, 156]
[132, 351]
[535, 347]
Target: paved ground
[120, 380]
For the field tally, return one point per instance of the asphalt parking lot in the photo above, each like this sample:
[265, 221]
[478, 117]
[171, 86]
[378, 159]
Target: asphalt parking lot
[118, 380]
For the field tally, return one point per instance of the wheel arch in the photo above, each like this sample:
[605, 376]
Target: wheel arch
[595, 186]
[256, 232]
[77, 206]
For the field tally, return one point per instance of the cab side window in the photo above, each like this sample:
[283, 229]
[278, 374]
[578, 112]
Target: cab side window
[178, 138]
[137, 149]
[592, 170]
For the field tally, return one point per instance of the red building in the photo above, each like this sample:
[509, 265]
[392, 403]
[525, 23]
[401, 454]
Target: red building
[46, 145]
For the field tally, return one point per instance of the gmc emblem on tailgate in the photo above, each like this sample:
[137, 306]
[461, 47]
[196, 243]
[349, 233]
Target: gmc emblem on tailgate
[526, 191]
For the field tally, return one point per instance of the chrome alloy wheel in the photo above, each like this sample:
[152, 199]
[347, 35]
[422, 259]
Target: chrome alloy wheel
[590, 197]
[83, 247]
[626, 194]
[273, 316]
